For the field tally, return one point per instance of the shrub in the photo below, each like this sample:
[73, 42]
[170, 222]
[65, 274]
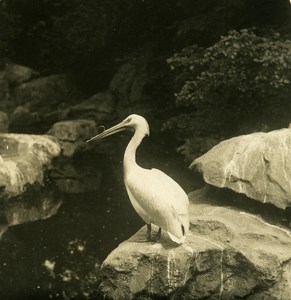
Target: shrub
[242, 81]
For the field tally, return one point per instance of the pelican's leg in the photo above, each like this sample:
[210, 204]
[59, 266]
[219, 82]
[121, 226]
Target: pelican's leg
[159, 234]
[149, 229]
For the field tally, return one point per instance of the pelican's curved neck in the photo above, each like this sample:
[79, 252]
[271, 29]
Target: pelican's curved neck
[129, 159]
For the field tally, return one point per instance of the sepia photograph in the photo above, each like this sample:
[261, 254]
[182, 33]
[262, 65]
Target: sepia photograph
[145, 149]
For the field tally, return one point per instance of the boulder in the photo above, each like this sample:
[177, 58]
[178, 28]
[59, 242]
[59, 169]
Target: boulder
[99, 107]
[24, 160]
[44, 93]
[40, 103]
[72, 135]
[24, 195]
[257, 165]
[228, 254]
[10, 76]
[17, 74]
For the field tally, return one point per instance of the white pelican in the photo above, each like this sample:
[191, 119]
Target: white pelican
[155, 196]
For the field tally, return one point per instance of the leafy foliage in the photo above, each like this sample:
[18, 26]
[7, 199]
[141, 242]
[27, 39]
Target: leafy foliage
[243, 80]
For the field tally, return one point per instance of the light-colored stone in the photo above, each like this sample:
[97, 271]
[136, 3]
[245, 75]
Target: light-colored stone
[229, 254]
[257, 165]
[72, 135]
[24, 159]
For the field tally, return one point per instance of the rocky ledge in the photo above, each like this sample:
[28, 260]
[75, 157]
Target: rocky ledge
[240, 238]
[228, 254]
[257, 165]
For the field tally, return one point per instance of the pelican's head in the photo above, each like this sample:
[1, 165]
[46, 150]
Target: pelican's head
[132, 122]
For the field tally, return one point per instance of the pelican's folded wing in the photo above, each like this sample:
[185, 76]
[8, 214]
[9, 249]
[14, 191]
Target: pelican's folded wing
[164, 201]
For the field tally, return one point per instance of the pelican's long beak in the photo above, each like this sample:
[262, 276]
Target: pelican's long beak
[117, 128]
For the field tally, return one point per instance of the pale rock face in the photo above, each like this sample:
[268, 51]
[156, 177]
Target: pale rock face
[24, 160]
[257, 165]
[228, 254]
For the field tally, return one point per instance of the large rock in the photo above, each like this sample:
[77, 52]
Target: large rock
[43, 92]
[24, 196]
[24, 160]
[72, 135]
[257, 165]
[41, 102]
[229, 254]
[10, 76]
[17, 74]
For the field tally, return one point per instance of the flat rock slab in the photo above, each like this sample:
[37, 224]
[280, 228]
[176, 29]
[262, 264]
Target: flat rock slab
[257, 165]
[24, 159]
[228, 254]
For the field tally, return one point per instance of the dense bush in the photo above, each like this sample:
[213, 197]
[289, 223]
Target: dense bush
[240, 83]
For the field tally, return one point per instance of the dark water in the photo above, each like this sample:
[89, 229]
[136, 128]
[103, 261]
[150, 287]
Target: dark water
[59, 258]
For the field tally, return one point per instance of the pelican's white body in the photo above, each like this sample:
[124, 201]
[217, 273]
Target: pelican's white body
[159, 200]
[155, 196]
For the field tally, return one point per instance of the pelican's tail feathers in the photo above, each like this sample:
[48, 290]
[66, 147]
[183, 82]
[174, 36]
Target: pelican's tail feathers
[177, 240]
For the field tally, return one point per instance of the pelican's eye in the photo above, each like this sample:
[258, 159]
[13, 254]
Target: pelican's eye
[128, 120]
